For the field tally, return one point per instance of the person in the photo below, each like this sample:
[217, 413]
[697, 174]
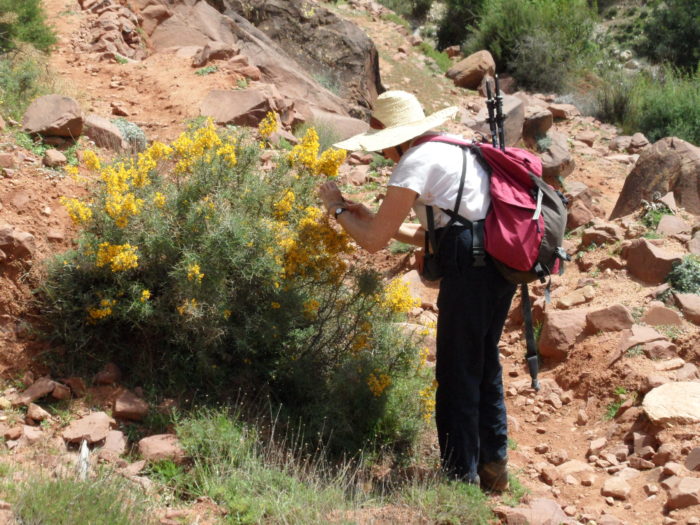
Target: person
[473, 300]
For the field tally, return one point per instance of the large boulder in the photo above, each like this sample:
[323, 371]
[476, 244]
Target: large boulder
[537, 122]
[54, 115]
[669, 165]
[335, 52]
[469, 72]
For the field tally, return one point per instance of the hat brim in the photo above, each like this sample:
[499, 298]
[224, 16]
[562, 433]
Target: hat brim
[379, 139]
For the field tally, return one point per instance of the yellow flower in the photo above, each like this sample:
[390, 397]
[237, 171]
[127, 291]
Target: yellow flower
[304, 154]
[78, 211]
[228, 153]
[227, 314]
[194, 273]
[91, 160]
[329, 162]
[284, 205]
[72, 171]
[276, 305]
[268, 125]
[311, 308]
[378, 383]
[104, 310]
[145, 295]
[119, 257]
[427, 399]
[159, 199]
[397, 297]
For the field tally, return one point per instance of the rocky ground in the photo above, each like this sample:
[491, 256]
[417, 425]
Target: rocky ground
[612, 436]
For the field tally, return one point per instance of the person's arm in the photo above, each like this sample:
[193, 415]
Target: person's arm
[371, 232]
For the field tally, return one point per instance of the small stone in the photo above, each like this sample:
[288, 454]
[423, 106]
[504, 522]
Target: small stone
[542, 448]
[128, 406]
[54, 158]
[160, 447]
[673, 469]
[36, 413]
[692, 462]
[617, 488]
[596, 446]
[109, 375]
[582, 418]
[61, 392]
[651, 489]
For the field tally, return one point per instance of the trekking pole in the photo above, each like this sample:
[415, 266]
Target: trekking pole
[490, 105]
[499, 117]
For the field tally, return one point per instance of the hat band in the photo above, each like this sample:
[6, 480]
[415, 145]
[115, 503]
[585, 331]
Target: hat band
[375, 123]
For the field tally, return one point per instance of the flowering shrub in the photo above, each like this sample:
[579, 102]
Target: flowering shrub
[198, 271]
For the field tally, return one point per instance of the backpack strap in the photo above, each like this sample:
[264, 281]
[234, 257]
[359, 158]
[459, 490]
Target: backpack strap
[531, 356]
[454, 216]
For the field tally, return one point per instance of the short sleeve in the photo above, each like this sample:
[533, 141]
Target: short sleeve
[412, 171]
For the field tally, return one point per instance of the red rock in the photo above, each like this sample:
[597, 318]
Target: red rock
[109, 375]
[616, 487]
[692, 462]
[564, 111]
[104, 134]
[469, 72]
[672, 225]
[541, 511]
[40, 388]
[660, 350]
[649, 263]
[54, 115]
[560, 331]
[76, 385]
[689, 304]
[36, 413]
[611, 319]
[114, 447]
[61, 392]
[683, 492]
[160, 447]
[659, 315]
[93, 428]
[128, 406]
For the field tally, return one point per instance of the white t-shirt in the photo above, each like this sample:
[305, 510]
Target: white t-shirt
[433, 171]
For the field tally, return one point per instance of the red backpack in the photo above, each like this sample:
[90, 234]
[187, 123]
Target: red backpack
[525, 225]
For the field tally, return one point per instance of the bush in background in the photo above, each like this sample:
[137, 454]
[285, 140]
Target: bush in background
[661, 104]
[197, 270]
[24, 21]
[665, 105]
[543, 43]
[457, 22]
[672, 33]
[413, 9]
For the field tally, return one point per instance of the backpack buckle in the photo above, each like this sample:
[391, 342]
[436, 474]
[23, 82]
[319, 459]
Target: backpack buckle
[479, 257]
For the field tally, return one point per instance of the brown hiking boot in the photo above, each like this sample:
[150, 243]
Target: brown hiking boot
[494, 475]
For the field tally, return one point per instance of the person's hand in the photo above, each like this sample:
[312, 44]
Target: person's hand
[330, 195]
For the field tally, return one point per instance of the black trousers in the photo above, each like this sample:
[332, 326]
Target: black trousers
[470, 409]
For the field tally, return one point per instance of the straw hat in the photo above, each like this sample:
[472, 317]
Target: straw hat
[403, 119]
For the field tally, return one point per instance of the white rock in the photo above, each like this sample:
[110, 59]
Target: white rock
[674, 403]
